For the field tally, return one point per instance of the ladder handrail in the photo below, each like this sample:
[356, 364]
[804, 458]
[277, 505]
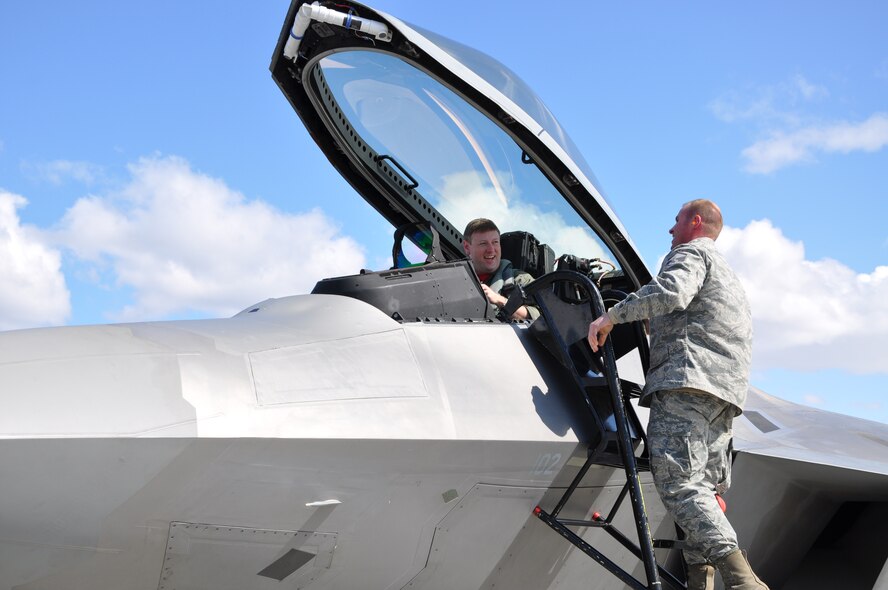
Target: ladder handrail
[607, 362]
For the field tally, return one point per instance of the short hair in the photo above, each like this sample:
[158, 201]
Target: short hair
[476, 225]
[709, 213]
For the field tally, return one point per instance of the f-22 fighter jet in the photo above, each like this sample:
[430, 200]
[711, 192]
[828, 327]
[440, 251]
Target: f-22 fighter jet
[391, 430]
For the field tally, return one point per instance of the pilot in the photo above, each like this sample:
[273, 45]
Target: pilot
[701, 340]
[498, 277]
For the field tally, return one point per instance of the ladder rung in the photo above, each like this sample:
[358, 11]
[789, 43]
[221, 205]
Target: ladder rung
[591, 551]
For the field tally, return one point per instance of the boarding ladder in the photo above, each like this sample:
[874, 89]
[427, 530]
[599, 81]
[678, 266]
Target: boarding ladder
[568, 302]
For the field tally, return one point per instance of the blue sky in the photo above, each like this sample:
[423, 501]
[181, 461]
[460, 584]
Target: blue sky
[151, 169]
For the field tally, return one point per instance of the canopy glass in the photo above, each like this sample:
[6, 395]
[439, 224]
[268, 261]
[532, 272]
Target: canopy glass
[462, 162]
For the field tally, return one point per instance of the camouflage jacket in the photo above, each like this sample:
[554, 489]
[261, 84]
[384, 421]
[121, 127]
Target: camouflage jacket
[504, 280]
[701, 325]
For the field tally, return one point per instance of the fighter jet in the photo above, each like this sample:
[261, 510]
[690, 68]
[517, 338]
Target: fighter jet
[392, 430]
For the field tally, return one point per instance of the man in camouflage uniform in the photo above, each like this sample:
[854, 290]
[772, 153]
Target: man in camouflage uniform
[481, 242]
[701, 338]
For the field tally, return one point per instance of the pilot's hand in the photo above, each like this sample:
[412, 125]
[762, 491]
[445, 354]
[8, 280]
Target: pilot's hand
[493, 297]
[500, 301]
[598, 331]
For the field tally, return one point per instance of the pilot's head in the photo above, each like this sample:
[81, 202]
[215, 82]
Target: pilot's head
[482, 245]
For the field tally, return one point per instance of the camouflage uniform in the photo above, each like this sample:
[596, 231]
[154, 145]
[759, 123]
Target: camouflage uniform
[701, 338]
[504, 280]
[689, 434]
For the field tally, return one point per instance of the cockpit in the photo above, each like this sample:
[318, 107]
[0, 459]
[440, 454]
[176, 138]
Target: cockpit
[422, 285]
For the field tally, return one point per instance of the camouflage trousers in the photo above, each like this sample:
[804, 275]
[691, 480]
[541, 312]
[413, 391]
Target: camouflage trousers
[689, 434]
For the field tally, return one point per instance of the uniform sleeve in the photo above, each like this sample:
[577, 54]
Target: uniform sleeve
[675, 286]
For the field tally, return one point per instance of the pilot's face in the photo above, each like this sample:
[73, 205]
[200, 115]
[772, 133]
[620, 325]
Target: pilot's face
[484, 251]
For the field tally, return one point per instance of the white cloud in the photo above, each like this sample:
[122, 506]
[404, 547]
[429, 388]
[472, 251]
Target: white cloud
[181, 240]
[808, 315]
[772, 104]
[732, 108]
[783, 149]
[808, 90]
[32, 286]
[790, 133]
[58, 172]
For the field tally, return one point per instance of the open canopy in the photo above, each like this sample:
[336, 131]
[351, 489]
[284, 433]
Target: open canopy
[428, 129]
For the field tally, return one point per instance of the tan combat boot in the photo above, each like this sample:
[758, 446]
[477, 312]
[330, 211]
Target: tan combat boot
[737, 574]
[701, 576]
